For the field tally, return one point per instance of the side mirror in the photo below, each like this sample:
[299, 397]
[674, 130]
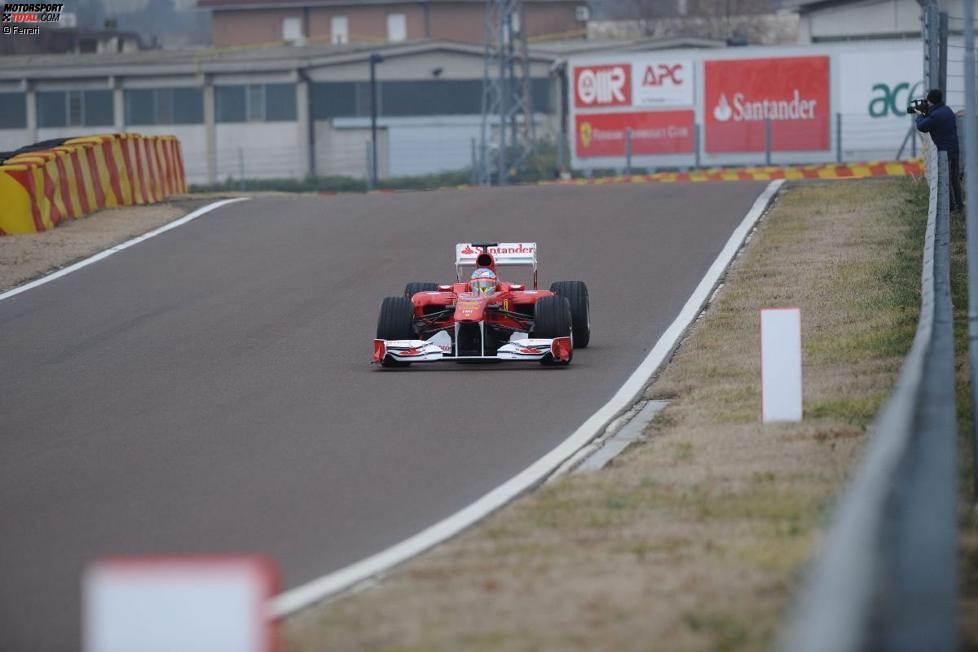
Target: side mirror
[516, 287]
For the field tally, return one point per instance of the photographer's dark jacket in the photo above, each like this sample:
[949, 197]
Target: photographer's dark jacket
[942, 126]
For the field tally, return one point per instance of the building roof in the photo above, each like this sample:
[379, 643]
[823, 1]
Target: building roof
[804, 6]
[62, 39]
[221, 5]
[614, 10]
[596, 46]
[217, 60]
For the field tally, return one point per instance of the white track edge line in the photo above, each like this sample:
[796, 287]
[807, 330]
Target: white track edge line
[329, 585]
[85, 262]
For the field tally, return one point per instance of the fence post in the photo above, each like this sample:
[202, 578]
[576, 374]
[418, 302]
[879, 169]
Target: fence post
[697, 135]
[475, 163]
[838, 137]
[241, 174]
[628, 151]
[485, 168]
[942, 52]
[767, 141]
[932, 38]
[560, 152]
[371, 182]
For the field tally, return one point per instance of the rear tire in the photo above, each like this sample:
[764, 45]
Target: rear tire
[576, 293]
[551, 319]
[396, 322]
[414, 287]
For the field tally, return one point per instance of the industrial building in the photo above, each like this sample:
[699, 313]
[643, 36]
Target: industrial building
[251, 22]
[275, 112]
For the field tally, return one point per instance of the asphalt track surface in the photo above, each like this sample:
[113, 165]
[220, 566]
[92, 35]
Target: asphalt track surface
[208, 390]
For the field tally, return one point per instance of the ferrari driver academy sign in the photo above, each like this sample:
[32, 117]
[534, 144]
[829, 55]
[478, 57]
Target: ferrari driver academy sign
[742, 95]
[653, 132]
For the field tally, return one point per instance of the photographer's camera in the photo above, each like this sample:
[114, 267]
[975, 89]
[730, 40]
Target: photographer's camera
[918, 106]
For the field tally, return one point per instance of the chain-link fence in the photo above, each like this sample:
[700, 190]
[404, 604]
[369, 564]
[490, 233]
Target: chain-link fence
[451, 153]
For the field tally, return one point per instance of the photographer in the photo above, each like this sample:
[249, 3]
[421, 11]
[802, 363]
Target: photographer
[937, 119]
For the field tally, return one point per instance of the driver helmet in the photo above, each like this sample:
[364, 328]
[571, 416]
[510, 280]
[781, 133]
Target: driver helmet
[483, 281]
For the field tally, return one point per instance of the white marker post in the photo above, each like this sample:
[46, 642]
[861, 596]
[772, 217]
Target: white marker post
[781, 364]
[191, 604]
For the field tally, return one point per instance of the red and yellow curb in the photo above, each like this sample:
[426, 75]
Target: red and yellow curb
[40, 189]
[913, 167]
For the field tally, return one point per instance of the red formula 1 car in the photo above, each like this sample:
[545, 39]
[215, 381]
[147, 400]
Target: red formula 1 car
[473, 320]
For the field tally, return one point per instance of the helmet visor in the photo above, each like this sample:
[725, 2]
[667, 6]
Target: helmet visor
[483, 285]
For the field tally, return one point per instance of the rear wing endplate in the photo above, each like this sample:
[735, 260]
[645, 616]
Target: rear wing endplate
[504, 253]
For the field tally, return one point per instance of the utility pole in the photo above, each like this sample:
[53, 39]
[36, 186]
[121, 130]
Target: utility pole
[507, 132]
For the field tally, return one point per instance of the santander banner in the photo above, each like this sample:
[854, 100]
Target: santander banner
[603, 85]
[741, 95]
[653, 132]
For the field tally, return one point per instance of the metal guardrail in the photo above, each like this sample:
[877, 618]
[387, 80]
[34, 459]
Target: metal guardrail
[886, 576]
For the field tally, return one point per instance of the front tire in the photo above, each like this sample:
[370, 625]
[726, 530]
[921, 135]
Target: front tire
[414, 287]
[396, 322]
[576, 294]
[551, 319]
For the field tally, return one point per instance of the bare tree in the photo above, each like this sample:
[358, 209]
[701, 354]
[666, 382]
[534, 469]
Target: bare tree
[730, 20]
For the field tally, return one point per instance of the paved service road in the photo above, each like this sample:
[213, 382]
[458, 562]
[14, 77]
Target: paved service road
[209, 389]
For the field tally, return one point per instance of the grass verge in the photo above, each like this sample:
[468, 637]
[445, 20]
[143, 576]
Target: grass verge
[694, 538]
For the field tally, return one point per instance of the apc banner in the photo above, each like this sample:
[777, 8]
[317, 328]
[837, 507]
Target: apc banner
[742, 94]
[662, 82]
[653, 132]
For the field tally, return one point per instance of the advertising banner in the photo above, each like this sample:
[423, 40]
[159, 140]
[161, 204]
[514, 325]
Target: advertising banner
[653, 132]
[874, 91]
[658, 82]
[604, 85]
[742, 94]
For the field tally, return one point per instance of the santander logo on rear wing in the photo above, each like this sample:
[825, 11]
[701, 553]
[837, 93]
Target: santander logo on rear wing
[504, 253]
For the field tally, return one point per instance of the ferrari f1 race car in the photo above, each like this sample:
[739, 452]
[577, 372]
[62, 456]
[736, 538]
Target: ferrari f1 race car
[484, 318]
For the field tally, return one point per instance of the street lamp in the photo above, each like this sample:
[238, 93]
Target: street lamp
[374, 60]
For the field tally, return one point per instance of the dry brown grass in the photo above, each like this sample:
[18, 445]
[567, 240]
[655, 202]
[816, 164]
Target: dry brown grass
[25, 256]
[693, 539]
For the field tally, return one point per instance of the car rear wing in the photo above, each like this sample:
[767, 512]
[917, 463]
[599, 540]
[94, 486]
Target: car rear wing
[504, 253]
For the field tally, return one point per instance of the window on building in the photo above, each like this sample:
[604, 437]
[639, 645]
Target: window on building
[435, 97]
[339, 30]
[98, 108]
[279, 102]
[51, 109]
[292, 29]
[255, 94]
[164, 106]
[396, 27]
[413, 98]
[334, 100]
[255, 103]
[230, 104]
[75, 108]
[13, 111]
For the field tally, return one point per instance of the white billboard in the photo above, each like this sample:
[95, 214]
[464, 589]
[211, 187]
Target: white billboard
[875, 88]
[878, 85]
[662, 82]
